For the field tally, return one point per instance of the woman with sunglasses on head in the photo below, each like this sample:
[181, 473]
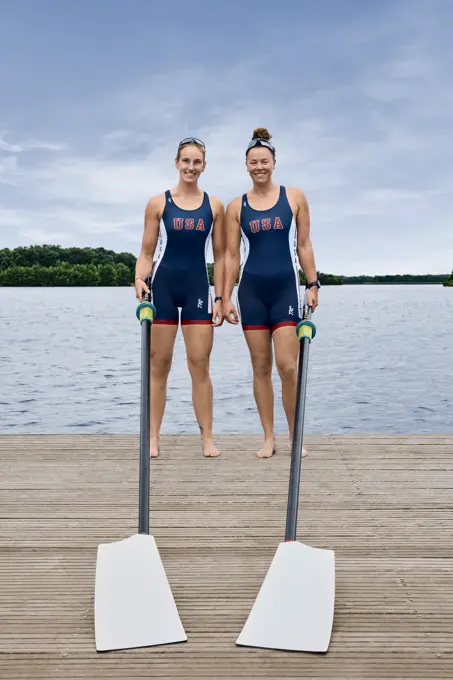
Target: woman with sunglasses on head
[274, 224]
[184, 220]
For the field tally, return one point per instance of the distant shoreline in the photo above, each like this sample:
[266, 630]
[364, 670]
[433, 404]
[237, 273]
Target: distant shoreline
[446, 284]
[55, 266]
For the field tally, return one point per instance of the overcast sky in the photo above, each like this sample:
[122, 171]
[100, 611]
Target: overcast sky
[95, 95]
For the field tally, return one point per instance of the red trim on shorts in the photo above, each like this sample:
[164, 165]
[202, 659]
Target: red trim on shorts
[166, 322]
[283, 323]
[196, 322]
[247, 327]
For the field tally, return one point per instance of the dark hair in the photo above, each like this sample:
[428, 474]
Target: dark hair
[261, 133]
[261, 137]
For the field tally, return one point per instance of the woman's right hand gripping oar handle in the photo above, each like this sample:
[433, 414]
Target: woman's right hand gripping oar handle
[146, 311]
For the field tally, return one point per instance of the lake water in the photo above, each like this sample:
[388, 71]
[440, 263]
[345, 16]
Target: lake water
[382, 361]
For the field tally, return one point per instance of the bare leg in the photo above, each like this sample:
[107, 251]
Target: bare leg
[260, 347]
[162, 343]
[199, 339]
[286, 355]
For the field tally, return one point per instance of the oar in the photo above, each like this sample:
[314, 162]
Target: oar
[294, 608]
[134, 605]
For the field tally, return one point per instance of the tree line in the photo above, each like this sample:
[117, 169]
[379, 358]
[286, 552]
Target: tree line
[397, 278]
[50, 265]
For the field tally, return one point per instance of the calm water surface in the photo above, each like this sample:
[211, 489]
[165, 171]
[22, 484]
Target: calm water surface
[382, 361]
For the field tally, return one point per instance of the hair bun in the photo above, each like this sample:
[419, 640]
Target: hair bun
[261, 133]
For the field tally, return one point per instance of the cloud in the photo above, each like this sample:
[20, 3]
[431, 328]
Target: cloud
[48, 237]
[29, 145]
[370, 146]
[8, 170]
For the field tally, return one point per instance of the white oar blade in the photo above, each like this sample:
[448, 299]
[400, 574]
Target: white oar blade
[134, 605]
[294, 608]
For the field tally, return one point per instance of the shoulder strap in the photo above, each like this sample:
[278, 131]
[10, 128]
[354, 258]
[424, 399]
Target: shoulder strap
[244, 204]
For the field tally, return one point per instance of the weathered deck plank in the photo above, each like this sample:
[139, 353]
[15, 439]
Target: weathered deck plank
[384, 503]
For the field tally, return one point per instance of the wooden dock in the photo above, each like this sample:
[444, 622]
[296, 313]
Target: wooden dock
[383, 503]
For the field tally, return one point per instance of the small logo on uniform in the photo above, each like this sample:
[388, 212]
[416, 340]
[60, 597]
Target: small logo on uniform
[200, 303]
[291, 310]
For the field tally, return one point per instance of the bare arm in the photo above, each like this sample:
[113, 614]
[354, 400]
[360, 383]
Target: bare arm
[218, 245]
[153, 214]
[232, 249]
[304, 244]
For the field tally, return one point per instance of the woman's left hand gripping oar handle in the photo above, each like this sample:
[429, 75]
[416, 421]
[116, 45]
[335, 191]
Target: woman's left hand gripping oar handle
[306, 328]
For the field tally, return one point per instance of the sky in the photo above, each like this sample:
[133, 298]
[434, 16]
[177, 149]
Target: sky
[96, 94]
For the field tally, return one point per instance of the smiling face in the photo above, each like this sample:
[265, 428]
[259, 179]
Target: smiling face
[190, 163]
[260, 163]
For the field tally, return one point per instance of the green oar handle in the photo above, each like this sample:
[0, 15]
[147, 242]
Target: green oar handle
[146, 311]
[306, 331]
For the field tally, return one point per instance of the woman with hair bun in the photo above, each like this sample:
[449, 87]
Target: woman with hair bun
[274, 224]
[183, 219]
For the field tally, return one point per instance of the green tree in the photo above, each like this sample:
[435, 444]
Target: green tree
[125, 278]
[61, 274]
[5, 258]
[9, 276]
[449, 282]
[324, 279]
[108, 275]
[125, 258]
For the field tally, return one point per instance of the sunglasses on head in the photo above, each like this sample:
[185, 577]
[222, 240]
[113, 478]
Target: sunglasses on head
[191, 140]
[260, 142]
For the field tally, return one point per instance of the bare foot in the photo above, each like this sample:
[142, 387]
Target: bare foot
[210, 450]
[268, 449]
[304, 450]
[154, 447]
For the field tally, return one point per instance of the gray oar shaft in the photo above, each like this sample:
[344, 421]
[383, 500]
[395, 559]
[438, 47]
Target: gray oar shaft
[296, 451]
[143, 502]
